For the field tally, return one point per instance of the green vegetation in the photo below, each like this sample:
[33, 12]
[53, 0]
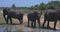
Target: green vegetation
[44, 6]
[40, 7]
[49, 5]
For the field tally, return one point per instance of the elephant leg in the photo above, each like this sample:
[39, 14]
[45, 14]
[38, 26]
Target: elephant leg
[20, 20]
[55, 24]
[35, 23]
[44, 22]
[39, 22]
[48, 24]
[28, 23]
[10, 20]
[7, 19]
[31, 23]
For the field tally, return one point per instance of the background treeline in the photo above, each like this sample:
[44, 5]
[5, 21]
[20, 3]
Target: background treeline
[49, 5]
[41, 7]
[44, 6]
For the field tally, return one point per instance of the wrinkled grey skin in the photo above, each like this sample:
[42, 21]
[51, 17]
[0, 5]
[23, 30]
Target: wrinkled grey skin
[12, 13]
[33, 16]
[51, 15]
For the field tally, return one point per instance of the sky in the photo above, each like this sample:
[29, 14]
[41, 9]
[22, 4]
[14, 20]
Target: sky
[21, 3]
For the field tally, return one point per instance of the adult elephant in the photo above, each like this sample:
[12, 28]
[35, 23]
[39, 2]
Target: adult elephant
[12, 13]
[33, 16]
[51, 15]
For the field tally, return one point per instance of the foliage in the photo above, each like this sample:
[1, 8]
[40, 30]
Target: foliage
[13, 6]
[49, 5]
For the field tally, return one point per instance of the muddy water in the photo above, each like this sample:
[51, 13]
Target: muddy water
[22, 28]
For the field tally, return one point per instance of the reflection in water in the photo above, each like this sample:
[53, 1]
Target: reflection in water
[9, 29]
[17, 28]
[1, 29]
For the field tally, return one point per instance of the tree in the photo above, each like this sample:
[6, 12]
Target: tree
[42, 6]
[53, 4]
[13, 6]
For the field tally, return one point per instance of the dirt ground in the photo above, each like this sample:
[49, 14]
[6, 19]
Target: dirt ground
[25, 20]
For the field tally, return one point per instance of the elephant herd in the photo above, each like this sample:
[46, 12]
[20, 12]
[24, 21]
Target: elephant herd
[50, 15]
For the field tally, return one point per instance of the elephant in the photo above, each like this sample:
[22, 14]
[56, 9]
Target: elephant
[33, 16]
[9, 13]
[51, 15]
